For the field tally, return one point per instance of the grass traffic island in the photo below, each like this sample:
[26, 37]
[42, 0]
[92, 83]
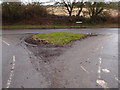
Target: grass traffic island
[55, 38]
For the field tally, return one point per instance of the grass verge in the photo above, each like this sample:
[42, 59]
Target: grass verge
[58, 38]
[59, 26]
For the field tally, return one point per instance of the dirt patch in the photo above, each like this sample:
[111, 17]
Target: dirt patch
[46, 51]
[44, 56]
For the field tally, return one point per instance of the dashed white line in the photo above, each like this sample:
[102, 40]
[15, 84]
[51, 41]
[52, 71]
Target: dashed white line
[99, 72]
[116, 78]
[102, 83]
[106, 70]
[84, 69]
[11, 73]
[5, 42]
[99, 68]
[100, 58]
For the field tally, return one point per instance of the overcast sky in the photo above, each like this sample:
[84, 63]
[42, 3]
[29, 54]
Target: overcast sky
[52, 1]
[60, 0]
[49, 0]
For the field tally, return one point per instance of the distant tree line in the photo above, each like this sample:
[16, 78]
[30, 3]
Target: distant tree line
[17, 11]
[95, 10]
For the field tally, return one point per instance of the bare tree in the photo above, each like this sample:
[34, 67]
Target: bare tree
[80, 6]
[72, 4]
[95, 8]
[69, 6]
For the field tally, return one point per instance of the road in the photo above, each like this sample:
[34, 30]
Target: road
[90, 63]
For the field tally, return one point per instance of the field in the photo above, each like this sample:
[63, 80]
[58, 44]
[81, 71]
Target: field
[61, 11]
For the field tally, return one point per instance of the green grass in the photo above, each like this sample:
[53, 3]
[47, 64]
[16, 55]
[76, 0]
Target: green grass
[58, 26]
[58, 38]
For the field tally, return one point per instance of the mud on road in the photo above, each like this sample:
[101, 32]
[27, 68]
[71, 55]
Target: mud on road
[43, 59]
[46, 59]
[74, 66]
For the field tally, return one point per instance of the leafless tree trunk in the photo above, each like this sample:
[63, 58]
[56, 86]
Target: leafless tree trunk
[69, 6]
[80, 7]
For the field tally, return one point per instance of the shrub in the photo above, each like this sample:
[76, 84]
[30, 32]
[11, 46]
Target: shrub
[12, 11]
[35, 10]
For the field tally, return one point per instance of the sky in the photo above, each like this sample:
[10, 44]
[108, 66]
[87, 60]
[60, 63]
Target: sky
[59, 0]
[51, 1]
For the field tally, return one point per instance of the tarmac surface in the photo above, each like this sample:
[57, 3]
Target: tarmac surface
[88, 63]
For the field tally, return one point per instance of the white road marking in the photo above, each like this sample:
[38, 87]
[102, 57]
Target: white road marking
[6, 42]
[100, 62]
[106, 70]
[100, 58]
[99, 68]
[102, 83]
[84, 69]
[99, 72]
[116, 78]
[11, 73]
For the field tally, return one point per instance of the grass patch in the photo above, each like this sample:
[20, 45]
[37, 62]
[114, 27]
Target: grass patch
[59, 26]
[58, 38]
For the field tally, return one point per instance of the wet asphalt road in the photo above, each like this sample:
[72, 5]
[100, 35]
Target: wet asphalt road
[90, 63]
